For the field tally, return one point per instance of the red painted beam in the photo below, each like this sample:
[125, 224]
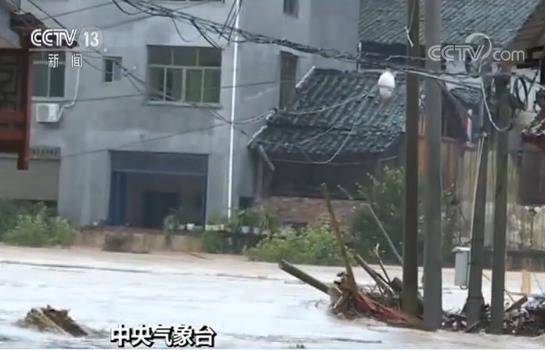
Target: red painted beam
[15, 124]
[11, 116]
[12, 135]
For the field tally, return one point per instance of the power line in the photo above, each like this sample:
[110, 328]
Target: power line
[141, 18]
[208, 26]
[151, 139]
[62, 14]
[287, 112]
[257, 39]
[146, 85]
[203, 25]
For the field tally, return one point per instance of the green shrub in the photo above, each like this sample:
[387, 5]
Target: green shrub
[10, 209]
[386, 198]
[40, 229]
[256, 217]
[315, 246]
[172, 223]
[61, 231]
[212, 242]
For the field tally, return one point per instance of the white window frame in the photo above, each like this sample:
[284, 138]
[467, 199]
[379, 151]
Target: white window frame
[184, 69]
[46, 63]
[116, 68]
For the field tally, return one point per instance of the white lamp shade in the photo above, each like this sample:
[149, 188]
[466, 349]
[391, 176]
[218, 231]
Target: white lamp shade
[386, 85]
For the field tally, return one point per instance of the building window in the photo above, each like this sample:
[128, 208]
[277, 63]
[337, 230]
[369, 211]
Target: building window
[112, 69]
[184, 74]
[291, 7]
[288, 74]
[48, 74]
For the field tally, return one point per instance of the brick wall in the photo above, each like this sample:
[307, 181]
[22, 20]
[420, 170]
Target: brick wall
[311, 211]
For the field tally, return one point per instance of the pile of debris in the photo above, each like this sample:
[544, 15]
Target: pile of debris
[48, 319]
[524, 317]
[382, 301]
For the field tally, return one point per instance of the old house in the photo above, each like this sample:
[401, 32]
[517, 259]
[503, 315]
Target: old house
[156, 117]
[323, 137]
[338, 131]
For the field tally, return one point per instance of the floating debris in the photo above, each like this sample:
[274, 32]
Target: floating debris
[48, 319]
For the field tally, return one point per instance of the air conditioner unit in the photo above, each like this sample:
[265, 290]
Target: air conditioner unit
[47, 113]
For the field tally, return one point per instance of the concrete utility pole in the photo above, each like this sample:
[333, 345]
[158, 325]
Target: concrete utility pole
[409, 297]
[500, 207]
[475, 300]
[433, 309]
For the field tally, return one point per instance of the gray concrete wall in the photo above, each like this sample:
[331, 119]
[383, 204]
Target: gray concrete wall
[8, 38]
[100, 121]
[39, 182]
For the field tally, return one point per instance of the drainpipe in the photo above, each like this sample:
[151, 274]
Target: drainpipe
[232, 119]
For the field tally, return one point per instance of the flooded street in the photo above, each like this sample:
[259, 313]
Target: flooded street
[248, 304]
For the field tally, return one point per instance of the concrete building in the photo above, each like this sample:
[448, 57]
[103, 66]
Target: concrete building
[146, 124]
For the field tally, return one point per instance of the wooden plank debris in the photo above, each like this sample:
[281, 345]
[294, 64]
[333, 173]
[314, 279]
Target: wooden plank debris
[49, 319]
[303, 276]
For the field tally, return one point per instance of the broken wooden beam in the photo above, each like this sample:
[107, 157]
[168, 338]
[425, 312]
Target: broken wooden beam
[337, 231]
[379, 280]
[517, 304]
[303, 276]
[381, 264]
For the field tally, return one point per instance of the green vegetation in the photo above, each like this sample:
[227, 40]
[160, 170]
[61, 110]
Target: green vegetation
[212, 242]
[10, 209]
[172, 223]
[39, 229]
[386, 199]
[316, 246]
[254, 217]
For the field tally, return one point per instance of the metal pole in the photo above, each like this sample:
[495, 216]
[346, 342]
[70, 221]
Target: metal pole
[432, 240]
[500, 207]
[231, 166]
[409, 296]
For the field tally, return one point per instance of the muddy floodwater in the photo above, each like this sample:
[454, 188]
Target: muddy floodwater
[249, 305]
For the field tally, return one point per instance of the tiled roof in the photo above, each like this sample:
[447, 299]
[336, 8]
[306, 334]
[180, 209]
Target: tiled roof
[384, 21]
[374, 125]
[469, 98]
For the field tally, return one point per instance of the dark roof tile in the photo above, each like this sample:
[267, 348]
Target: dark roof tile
[384, 21]
[373, 125]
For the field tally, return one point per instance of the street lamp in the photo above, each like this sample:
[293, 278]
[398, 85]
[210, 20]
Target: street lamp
[386, 84]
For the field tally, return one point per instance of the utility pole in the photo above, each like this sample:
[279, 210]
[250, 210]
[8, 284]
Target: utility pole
[475, 300]
[500, 207]
[433, 309]
[409, 296]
